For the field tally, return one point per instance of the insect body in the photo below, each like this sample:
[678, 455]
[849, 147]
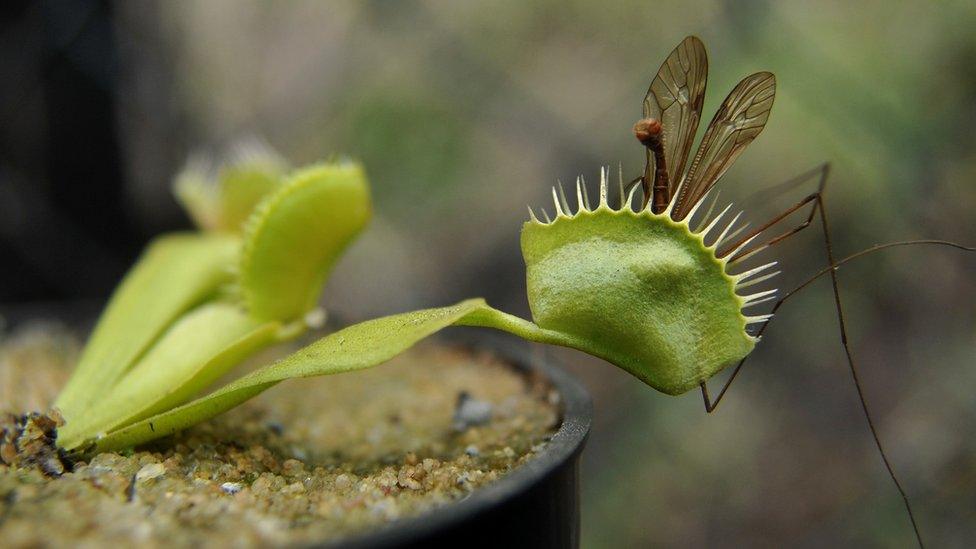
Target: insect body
[672, 110]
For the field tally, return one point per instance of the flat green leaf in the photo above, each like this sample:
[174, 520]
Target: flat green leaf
[200, 347]
[356, 347]
[175, 273]
[295, 236]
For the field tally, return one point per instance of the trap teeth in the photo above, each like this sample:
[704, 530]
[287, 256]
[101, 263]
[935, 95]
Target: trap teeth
[714, 221]
[758, 319]
[738, 231]
[604, 172]
[752, 272]
[721, 238]
[562, 200]
[582, 199]
[555, 200]
[630, 197]
[741, 246]
[694, 209]
[758, 297]
[753, 282]
[708, 213]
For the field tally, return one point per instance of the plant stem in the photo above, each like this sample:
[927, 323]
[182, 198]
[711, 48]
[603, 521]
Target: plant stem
[487, 316]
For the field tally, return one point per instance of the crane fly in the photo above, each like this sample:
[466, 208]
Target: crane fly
[672, 109]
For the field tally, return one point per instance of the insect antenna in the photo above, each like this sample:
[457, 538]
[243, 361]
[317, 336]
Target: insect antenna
[737, 254]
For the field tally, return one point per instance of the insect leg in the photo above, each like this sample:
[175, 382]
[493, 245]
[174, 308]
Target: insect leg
[822, 171]
[831, 269]
[710, 404]
[635, 181]
[850, 363]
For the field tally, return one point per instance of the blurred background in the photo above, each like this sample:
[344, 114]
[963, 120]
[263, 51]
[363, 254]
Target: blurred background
[465, 112]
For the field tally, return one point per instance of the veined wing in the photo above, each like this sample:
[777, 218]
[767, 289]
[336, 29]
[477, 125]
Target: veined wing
[741, 118]
[675, 97]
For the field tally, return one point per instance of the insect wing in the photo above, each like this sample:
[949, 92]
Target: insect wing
[741, 118]
[675, 97]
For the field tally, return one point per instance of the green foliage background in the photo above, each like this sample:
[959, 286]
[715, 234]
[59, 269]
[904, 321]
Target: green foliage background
[464, 112]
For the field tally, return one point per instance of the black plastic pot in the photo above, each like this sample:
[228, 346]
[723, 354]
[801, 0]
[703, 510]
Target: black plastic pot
[535, 506]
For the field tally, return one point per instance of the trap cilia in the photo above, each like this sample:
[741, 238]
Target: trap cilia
[652, 283]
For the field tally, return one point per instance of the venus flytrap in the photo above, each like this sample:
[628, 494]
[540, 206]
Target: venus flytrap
[196, 305]
[647, 288]
[635, 288]
[659, 289]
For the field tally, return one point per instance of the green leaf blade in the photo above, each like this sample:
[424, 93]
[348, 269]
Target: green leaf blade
[199, 348]
[175, 273]
[360, 346]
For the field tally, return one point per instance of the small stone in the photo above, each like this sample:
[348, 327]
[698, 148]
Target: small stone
[472, 450]
[343, 482]
[406, 478]
[52, 466]
[151, 471]
[292, 467]
[231, 487]
[262, 485]
[385, 508]
[470, 411]
[8, 452]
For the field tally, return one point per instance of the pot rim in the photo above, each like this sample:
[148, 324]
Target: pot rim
[576, 415]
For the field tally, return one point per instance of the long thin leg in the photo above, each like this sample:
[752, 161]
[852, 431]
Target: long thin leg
[823, 171]
[832, 271]
[770, 192]
[853, 369]
[710, 405]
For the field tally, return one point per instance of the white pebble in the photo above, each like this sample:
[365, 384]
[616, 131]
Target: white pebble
[470, 412]
[150, 471]
[231, 487]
